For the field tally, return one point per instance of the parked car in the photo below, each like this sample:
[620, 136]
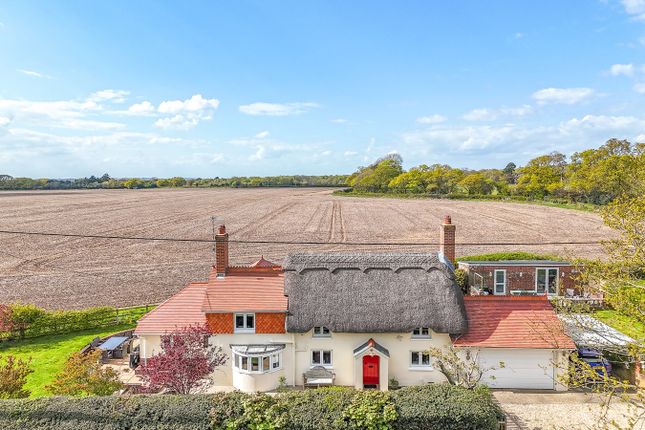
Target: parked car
[595, 359]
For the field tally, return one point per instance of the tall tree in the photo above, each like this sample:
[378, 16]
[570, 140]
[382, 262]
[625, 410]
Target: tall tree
[542, 175]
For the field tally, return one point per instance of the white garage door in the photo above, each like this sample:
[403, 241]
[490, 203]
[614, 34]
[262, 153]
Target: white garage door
[523, 368]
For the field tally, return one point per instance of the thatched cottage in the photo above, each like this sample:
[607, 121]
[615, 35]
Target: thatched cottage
[358, 319]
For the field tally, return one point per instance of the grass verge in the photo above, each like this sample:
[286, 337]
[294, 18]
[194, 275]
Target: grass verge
[624, 324]
[49, 353]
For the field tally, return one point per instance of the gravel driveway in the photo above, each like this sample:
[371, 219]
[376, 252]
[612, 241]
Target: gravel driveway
[549, 410]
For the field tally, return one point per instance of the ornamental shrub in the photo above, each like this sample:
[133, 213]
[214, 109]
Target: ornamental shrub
[371, 410]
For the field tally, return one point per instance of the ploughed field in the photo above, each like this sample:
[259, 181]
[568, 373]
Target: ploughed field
[64, 272]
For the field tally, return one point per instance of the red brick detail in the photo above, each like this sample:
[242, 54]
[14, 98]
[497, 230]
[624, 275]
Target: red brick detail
[220, 323]
[221, 251]
[447, 239]
[270, 323]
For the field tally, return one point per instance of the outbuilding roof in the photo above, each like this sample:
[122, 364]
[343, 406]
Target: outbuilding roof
[513, 322]
[372, 293]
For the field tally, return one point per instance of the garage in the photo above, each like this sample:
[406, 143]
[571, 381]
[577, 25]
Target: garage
[525, 369]
[524, 334]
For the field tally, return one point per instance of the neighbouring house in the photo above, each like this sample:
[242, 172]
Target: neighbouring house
[520, 277]
[358, 319]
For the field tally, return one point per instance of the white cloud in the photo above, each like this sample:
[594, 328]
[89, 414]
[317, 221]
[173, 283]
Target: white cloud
[639, 87]
[621, 69]
[635, 8]
[35, 74]
[431, 119]
[262, 134]
[350, 153]
[567, 96]
[277, 109]
[115, 96]
[339, 120]
[4, 121]
[518, 35]
[143, 108]
[186, 113]
[268, 148]
[178, 122]
[196, 103]
[492, 114]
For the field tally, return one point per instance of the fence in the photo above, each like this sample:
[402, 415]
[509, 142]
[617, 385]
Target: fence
[61, 322]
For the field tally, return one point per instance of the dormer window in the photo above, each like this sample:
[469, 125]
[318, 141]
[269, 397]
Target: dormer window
[421, 333]
[321, 331]
[244, 323]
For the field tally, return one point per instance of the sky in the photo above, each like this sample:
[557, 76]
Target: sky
[225, 88]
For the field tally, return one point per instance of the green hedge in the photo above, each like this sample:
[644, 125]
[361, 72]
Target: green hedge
[107, 413]
[428, 407]
[503, 256]
[28, 321]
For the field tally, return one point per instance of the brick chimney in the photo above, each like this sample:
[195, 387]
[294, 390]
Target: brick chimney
[221, 251]
[447, 239]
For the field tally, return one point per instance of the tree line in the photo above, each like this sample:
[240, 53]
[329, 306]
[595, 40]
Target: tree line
[595, 176]
[8, 182]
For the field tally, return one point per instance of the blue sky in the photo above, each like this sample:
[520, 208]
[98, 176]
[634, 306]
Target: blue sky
[160, 88]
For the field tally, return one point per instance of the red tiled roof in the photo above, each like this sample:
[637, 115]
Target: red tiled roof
[513, 322]
[259, 291]
[181, 310]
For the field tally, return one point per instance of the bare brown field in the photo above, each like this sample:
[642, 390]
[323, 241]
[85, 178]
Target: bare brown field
[60, 272]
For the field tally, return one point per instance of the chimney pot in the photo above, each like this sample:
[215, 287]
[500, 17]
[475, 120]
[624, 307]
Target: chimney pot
[447, 219]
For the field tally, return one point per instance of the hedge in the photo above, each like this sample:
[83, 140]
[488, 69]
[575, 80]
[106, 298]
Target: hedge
[28, 321]
[509, 256]
[428, 407]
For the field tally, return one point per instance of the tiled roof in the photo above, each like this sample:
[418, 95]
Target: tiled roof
[181, 310]
[259, 291]
[513, 322]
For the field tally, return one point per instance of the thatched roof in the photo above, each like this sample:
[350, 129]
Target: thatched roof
[372, 293]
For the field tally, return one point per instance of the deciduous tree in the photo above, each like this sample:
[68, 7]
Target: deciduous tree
[83, 375]
[185, 360]
[13, 376]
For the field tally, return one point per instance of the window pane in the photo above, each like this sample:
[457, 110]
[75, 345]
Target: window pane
[416, 331]
[239, 321]
[276, 361]
[326, 357]
[541, 280]
[325, 330]
[499, 276]
[236, 360]
[425, 331]
[317, 330]
[553, 281]
[315, 357]
[425, 359]
[255, 364]
[250, 321]
[245, 363]
[265, 363]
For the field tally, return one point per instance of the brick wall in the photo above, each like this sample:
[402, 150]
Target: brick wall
[518, 277]
[220, 323]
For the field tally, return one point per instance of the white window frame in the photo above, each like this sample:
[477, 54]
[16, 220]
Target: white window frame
[244, 329]
[421, 335]
[495, 283]
[546, 279]
[319, 331]
[322, 361]
[420, 365]
[273, 358]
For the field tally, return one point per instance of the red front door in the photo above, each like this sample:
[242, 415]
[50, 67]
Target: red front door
[370, 369]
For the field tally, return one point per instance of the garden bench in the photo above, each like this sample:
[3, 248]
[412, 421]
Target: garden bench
[318, 376]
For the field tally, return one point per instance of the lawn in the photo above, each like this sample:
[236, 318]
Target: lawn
[624, 324]
[48, 353]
